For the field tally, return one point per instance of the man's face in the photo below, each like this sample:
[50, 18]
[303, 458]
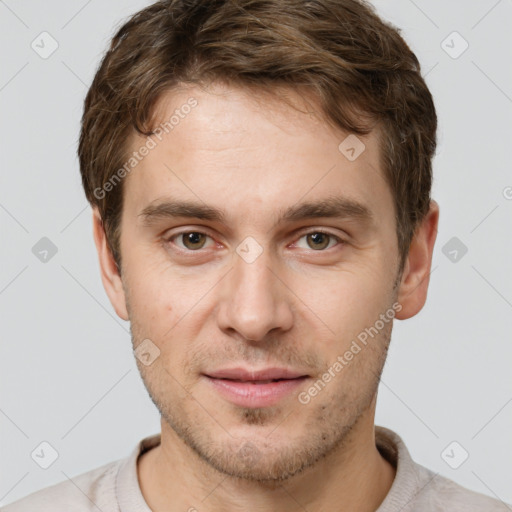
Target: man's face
[267, 285]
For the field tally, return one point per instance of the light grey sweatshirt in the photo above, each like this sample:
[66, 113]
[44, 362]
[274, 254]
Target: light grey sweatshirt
[114, 487]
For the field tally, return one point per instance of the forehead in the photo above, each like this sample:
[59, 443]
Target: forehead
[235, 148]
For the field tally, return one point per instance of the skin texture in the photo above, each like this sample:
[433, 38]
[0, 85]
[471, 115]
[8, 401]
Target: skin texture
[299, 304]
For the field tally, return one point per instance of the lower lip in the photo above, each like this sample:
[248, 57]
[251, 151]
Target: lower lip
[248, 394]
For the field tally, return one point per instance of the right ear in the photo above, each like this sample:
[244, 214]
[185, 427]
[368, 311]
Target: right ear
[109, 272]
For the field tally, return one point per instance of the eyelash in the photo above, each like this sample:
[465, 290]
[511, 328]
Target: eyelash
[170, 239]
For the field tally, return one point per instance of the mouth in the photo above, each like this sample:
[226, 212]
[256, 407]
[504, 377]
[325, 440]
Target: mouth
[257, 381]
[255, 388]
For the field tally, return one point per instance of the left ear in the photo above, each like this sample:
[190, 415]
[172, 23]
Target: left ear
[412, 293]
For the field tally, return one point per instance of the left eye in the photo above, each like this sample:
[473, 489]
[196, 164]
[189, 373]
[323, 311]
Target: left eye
[318, 240]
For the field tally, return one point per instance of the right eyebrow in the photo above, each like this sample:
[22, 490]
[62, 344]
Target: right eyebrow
[169, 209]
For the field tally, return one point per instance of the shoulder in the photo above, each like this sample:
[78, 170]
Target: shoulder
[418, 489]
[83, 493]
[443, 495]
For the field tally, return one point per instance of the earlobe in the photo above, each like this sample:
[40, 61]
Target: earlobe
[109, 272]
[416, 275]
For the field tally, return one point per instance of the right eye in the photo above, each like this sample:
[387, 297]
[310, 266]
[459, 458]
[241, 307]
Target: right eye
[190, 240]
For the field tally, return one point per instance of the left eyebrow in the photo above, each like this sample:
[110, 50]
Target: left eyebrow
[334, 206]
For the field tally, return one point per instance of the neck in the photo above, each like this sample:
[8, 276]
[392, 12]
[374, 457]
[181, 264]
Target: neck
[172, 477]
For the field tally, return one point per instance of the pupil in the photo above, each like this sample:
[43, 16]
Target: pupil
[193, 239]
[318, 238]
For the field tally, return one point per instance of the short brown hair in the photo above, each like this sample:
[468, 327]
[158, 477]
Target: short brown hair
[357, 65]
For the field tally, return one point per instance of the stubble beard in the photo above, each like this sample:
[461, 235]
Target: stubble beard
[330, 421]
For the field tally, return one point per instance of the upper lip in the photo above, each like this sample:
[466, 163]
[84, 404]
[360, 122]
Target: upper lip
[255, 375]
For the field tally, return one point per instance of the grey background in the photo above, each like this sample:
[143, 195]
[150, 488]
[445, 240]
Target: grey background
[67, 374]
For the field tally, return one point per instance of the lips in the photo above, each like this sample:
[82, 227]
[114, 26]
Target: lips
[255, 388]
[259, 376]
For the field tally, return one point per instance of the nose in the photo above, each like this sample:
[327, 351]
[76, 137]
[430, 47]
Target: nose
[254, 300]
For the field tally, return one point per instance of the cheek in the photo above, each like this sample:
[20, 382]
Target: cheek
[153, 289]
[150, 300]
[168, 306]
[345, 301]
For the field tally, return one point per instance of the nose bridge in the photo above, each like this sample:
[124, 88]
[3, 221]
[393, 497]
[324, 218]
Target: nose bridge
[253, 302]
